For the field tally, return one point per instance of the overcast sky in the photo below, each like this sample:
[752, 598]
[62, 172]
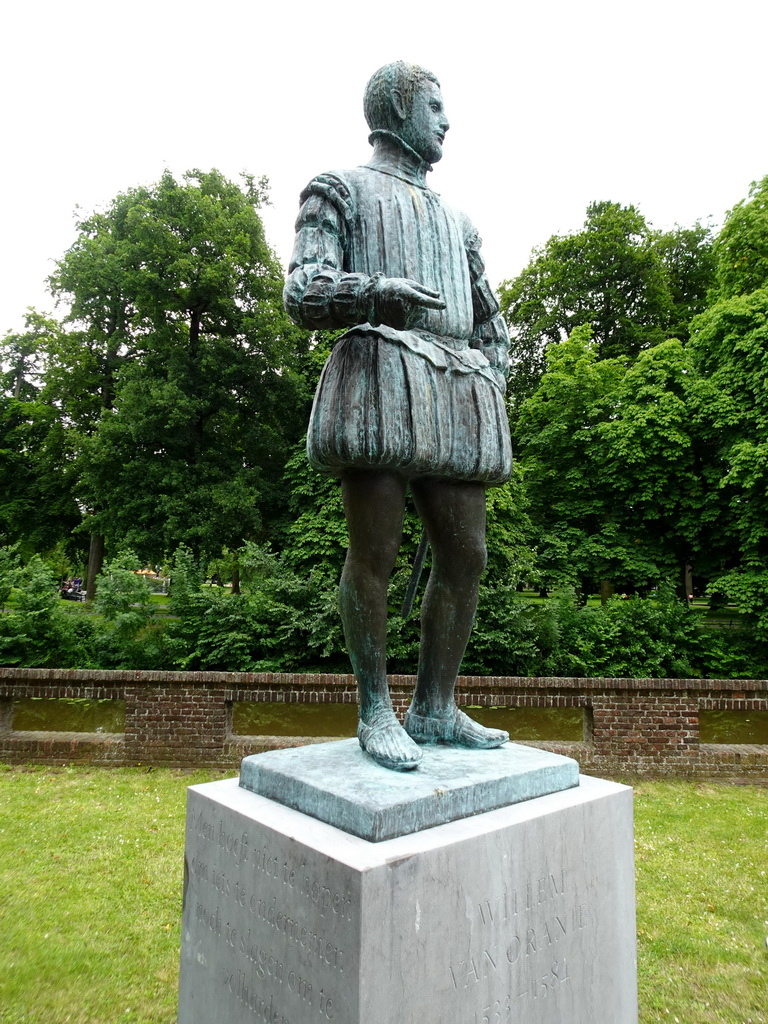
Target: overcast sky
[552, 104]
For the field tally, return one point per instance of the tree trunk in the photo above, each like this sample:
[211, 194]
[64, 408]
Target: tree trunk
[582, 593]
[606, 591]
[236, 575]
[685, 586]
[197, 433]
[95, 562]
[19, 378]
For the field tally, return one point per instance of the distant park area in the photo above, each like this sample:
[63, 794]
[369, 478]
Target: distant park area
[157, 428]
[284, 619]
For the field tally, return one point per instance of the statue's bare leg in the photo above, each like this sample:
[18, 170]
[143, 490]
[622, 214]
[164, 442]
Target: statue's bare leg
[453, 514]
[373, 506]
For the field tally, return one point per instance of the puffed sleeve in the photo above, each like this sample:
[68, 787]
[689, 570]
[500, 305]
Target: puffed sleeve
[490, 333]
[319, 293]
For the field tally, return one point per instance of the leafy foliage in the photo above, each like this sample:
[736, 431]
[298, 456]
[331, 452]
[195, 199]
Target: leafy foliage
[36, 633]
[123, 597]
[560, 449]
[688, 257]
[168, 410]
[24, 356]
[630, 638]
[281, 621]
[511, 636]
[730, 350]
[633, 286]
[315, 534]
[36, 472]
[9, 561]
[742, 246]
[184, 384]
[287, 621]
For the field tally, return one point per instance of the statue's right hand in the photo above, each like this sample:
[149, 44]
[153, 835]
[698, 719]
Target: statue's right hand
[399, 302]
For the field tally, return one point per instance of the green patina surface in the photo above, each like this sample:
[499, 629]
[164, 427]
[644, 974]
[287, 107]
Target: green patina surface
[338, 783]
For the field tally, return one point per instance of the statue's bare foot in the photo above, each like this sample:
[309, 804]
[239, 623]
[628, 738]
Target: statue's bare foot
[387, 742]
[453, 727]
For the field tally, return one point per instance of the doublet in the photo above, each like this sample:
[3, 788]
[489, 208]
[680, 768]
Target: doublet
[426, 401]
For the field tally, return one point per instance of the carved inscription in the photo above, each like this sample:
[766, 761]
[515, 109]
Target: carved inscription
[526, 933]
[503, 1011]
[261, 912]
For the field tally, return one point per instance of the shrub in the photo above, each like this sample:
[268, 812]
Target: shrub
[283, 620]
[38, 633]
[634, 638]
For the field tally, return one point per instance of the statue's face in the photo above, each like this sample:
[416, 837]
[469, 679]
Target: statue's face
[425, 126]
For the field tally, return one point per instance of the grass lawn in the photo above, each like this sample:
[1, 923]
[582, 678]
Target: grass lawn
[702, 902]
[90, 898]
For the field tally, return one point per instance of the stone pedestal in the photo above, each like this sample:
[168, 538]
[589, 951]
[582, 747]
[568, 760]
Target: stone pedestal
[520, 915]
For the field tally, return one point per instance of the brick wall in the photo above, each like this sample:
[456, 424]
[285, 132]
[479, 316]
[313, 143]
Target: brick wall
[632, 727]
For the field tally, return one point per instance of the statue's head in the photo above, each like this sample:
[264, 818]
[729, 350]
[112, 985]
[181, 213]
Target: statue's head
[405, 100]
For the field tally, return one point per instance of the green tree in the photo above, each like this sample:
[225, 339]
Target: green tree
[688, 257]
[9, 560]
[24, 354]
[742, 245]
[199, 394]
[559, 448]
[95, 278]
[653, 462]
[730, 348]
[37, 509]
[509, 533]
[123, 595]
[612, 461]
[38, 506]
[634, 286]
[315, 531]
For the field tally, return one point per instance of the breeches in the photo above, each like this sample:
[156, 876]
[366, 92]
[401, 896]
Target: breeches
[380, 405]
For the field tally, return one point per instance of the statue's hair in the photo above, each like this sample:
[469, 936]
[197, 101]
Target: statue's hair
[377, 102]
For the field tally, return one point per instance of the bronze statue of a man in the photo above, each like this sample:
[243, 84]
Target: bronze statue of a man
[411, 396]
